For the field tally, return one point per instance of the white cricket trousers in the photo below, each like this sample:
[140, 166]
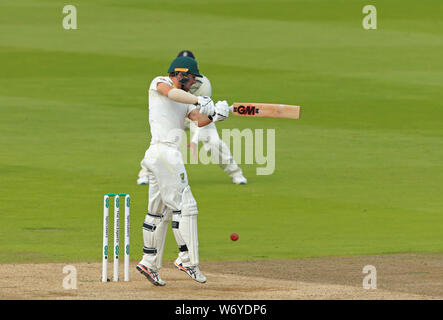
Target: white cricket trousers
[170, 198]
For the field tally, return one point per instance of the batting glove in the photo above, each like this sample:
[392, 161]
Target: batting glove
[221, 111]
[206, 105]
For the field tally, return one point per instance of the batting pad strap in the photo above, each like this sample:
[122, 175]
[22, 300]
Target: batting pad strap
[175, 224]
[149, 227]
[149, 250]
[176, 212]
[155, 215]
[183, 248]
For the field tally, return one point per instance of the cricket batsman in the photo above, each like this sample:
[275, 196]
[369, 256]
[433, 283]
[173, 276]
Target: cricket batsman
[208, 135]
[170, 196]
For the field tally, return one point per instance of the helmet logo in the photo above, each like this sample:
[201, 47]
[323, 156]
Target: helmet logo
[181, 69]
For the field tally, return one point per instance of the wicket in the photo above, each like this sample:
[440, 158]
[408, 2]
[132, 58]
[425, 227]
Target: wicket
[116, 235]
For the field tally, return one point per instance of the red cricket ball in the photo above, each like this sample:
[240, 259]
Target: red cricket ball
[234, 236]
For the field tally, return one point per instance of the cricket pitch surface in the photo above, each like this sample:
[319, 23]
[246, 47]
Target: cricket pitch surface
[399, 276]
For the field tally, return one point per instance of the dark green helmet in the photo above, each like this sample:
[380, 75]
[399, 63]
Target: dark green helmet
[184, 64]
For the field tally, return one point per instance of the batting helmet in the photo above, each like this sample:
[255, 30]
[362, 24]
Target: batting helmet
[186, 65]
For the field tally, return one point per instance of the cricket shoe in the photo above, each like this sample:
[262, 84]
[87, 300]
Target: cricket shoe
[143, 180]
[193, 272]
[151, 275]
[239, 179]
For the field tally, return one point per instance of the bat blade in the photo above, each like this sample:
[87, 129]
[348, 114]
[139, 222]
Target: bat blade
[266, 110]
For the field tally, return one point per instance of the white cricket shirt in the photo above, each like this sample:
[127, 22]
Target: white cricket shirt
[166, 117]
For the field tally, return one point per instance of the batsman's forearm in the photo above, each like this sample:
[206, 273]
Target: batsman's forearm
[181, 96]
[198, 118]
[203, 120]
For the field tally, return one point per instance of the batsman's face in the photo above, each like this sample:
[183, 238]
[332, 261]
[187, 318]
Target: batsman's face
[190, 82]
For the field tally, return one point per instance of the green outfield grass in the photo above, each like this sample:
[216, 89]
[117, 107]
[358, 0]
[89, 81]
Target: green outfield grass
[360, 173]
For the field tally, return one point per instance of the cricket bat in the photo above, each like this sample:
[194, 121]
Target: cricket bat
[265, 110]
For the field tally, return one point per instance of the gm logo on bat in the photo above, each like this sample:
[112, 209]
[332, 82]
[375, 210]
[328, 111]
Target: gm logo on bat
[250, 110]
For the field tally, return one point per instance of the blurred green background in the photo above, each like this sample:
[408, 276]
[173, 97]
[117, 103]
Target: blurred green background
[360, 173]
